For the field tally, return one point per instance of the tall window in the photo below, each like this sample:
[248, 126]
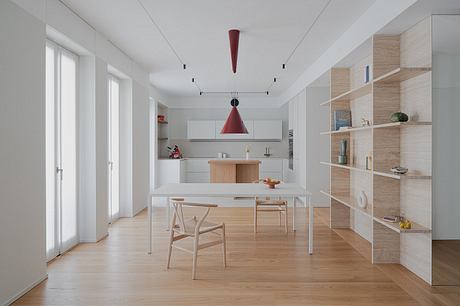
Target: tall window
[114, 140]
[61, 150]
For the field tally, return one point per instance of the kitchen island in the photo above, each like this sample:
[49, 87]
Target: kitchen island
[234, 170]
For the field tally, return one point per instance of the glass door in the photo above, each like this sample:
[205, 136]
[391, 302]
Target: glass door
[113, 131]
[61, 150]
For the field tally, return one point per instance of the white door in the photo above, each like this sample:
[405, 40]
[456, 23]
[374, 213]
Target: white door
[61, 150]
[114, 164]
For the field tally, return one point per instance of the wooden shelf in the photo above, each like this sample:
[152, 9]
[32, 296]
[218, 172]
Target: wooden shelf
[415, 228]
[401, 75]
[352, 94]
[346, 167]
[401, 124]
[352, 129]
[408, 175]
[380, 126]
[347, 200]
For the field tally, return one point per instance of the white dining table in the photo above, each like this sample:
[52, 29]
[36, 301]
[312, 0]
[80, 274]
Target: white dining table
[246, 190]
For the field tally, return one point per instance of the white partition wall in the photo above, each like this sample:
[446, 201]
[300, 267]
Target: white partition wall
[22, 153]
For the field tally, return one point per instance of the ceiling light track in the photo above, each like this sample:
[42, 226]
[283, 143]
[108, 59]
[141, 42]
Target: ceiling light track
[305, 35]
[233, 93]
[184, 66]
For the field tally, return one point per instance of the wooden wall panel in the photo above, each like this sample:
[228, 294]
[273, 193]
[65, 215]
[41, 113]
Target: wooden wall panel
[386, 54]
[416, 96]
[340, 181]
[416, 254]
[340, 215]
[340, 81]
[386, 196]
[416, 45]
[357, 72]
[386, 149]
[385, 247]
[386, 101]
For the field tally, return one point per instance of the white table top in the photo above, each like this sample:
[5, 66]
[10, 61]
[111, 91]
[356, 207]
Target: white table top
[228, 190]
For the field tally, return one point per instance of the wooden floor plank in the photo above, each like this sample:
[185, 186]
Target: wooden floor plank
[267, 268]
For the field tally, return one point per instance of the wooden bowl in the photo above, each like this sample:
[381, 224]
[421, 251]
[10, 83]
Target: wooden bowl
[271, 184]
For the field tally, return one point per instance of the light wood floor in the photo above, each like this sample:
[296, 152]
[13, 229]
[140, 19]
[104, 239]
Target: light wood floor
[270, 268]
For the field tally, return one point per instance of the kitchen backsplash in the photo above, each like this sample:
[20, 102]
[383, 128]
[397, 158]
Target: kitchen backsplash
[233, 149]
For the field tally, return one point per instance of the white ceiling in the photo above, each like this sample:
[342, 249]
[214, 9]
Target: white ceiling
[270, 29]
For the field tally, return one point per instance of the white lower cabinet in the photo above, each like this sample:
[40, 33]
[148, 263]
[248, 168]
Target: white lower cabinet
[197, 170]
[197, 177]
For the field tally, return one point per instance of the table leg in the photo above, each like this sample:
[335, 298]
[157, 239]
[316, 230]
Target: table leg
[150, 225]
[294, 204]
[255, 215]
[310, 226]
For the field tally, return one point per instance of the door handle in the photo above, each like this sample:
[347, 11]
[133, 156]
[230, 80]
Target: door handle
[61, 172]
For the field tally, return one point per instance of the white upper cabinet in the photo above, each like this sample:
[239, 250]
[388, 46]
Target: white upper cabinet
[268, 129]
[249, 126]
[201, 129]
[257, 130]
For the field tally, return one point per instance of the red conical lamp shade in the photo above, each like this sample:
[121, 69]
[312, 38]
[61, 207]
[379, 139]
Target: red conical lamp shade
[234, 37]
[234, 124]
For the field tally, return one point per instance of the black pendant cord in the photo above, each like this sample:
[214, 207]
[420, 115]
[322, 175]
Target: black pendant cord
[162, 34]
[305, 35]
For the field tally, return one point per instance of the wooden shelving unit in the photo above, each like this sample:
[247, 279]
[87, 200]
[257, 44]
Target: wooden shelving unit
[162, 131]
[401, 70]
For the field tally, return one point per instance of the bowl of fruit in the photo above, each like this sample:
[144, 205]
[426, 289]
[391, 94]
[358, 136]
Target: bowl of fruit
[271, 183]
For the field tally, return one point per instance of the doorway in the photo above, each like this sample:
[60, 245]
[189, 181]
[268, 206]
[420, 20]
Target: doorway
[61, 150]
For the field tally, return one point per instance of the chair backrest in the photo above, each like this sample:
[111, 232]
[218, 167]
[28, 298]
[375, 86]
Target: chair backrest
[260, 181]
[179, 213]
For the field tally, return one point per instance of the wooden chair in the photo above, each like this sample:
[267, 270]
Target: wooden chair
[193, 228]
[268, 204]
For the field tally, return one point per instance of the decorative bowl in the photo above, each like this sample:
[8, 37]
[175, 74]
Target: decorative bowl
[271, 183]
[399, 170]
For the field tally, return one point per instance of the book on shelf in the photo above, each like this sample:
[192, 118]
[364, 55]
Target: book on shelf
[341, 119]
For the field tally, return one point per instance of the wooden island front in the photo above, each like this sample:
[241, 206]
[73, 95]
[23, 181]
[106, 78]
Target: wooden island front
[234, 171]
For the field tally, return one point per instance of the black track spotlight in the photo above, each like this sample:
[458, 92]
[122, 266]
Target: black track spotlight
[193, 80]
[284, 66]
[185, 66]
[274, 80]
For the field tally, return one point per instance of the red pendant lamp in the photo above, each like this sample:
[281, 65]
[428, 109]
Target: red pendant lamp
[234, 37]
[234, 124]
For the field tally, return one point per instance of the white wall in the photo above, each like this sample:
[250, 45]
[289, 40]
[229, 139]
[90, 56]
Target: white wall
[177, 118]
[318, 146]
[126, 145]
[446, 144]
[22, 151]
[141, 147]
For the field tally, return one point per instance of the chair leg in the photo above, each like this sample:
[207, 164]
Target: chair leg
[224, 246]
[195, 255]
[171, 241]
[286, 218]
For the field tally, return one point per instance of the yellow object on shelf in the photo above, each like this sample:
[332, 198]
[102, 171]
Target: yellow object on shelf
[405, 224]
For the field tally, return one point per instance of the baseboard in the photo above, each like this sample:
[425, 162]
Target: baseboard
[24, 291]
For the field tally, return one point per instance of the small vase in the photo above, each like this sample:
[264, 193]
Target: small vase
[247, 155]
